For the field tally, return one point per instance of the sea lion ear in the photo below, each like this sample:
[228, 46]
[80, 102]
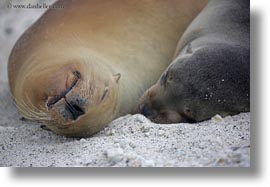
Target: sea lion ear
[189, 48]
[117, 77]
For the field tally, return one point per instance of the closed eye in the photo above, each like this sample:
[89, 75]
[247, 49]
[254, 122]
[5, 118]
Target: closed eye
[164, 78]
[105, 93]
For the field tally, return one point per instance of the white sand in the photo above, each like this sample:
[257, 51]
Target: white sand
[127, 141]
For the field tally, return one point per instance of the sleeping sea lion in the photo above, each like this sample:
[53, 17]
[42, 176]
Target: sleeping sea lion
[211, 71]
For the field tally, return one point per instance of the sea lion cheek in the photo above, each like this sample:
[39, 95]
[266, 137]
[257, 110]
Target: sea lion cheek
[172, 116]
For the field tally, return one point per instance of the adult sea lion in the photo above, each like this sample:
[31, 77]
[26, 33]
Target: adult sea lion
[78, 68]
[211, 70]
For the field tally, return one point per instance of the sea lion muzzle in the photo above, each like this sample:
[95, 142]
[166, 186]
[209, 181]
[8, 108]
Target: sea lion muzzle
[146, 111]
[55, 99]
[65, 104]
[74, 110]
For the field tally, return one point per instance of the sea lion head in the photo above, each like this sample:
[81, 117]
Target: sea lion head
[213, 79]
[160, 103]
[72, 97]
[157, 102]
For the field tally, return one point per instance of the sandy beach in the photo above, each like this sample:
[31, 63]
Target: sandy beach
[130, 141]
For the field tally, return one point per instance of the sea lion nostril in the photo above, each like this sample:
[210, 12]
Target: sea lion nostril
[146, 111]
[77, 74]
[74, 110]
[77, 108]
[57, 98]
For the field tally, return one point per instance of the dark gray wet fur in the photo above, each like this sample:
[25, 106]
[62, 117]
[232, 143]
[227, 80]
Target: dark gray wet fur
[211, 72]
[214, 77]
[219, 86]
[221, 21]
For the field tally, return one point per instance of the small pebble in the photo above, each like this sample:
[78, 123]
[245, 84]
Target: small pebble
[82, 140]
[221, 161]
[115, 155]
[131, 144]
[147, 134]
[124, 143]
[161, 132]
[217, 118]
[110, 132]
[145, 128]
[169, 163]
[147, 163]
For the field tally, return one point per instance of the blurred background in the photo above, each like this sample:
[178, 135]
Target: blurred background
[14, 20]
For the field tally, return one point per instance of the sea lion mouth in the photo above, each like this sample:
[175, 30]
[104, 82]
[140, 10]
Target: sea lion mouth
[54, 100]
[73, 110]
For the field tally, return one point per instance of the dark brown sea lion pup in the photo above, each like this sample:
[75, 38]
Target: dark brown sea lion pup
[211, 71]
[78, 68]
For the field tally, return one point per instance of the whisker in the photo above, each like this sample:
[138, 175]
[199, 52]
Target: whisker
[39, 112]
[27, 112]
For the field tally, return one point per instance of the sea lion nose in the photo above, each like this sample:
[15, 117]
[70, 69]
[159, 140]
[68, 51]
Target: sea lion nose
[74, 109]
[146, 110]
